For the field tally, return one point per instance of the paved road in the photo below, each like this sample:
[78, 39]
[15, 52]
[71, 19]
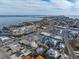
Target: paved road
[3, 54]
[70, 49]
[75, 29]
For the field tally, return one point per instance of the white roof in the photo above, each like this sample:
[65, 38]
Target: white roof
[76, 52]
[4, 38]
[74, 32]
[52, 52]
[26, 53]
[58, 37]
[23, 28]
[45, 33]
[33, 44]
[14, 45]
[15, 30]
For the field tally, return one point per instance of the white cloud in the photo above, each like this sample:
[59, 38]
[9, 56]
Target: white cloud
[27, 5]
[36, 6]
[76, 4]
[62, 4]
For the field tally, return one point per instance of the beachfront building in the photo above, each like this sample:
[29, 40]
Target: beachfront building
[51, 42]
[61, 46]
[30, 57]
[22, 30]
[14, 47]
[27, 57]
[18, 31]
[39, 50]
[45, 34]
[40, 57]
[25, 52]
[52, 53]
[31, 28]
[33, 44]
[4, 38]
[58, 37]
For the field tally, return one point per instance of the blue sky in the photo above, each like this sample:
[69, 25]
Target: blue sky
[39, 7]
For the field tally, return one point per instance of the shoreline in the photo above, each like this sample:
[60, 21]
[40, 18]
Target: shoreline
[15, 20]
[38, 20]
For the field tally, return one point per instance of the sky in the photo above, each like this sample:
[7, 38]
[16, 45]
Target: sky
[39, 7]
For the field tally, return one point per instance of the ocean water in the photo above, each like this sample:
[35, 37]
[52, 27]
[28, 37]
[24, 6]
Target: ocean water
[6, 21]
